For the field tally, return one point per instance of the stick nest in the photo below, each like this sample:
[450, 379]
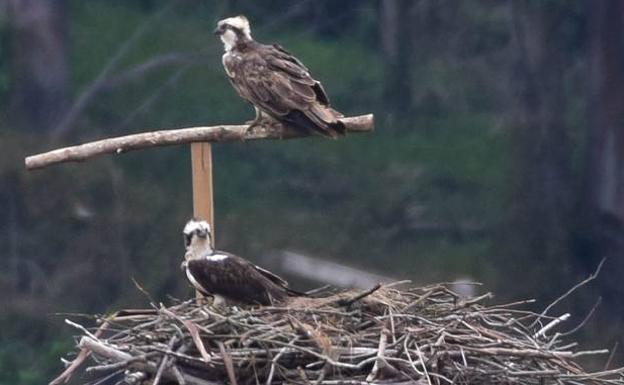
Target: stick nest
[426, 336]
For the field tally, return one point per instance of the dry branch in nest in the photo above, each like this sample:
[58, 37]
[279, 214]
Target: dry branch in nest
[426, 336]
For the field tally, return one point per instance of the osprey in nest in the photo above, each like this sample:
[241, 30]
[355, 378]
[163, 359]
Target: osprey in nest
[275, 82]
[228, 277]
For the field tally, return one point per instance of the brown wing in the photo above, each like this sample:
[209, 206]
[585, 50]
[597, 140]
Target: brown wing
[233, 278]
[290, 64]
[279, 84]
[276, 279]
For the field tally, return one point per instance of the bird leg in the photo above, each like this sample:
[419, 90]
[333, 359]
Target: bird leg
[256, 119]
[260, 116]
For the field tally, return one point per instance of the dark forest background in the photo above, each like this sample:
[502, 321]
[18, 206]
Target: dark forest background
[498, 154]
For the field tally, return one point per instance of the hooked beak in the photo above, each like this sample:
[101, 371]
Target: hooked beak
[218, 31]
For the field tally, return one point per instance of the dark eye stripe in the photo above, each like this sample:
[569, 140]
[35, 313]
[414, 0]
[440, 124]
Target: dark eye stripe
[234, 29]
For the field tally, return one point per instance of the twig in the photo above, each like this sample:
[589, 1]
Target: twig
[104, 350]
[192, 328]
[80, 327]
[115, 365]
[106, 378]
[584, 321]
[82, 356]
[227, 360]
[350, 301]
[527, 352]
[611, 355]
[178, 375]
[143, 290]
[422, 362]
[274, 362]
[392, 328]
[618, 371]
[551, 325]
[317, 290]
[166, 360]
[590, 353]
[567, 293]
[397, 283]
[356, 382]
[381, 350]
[193, 331]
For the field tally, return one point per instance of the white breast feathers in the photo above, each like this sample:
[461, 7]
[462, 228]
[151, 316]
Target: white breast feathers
[227, 56]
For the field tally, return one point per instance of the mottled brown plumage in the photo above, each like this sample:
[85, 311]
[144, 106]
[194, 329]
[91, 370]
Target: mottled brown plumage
[275, 82]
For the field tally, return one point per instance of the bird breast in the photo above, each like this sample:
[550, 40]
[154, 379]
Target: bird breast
[228, 60]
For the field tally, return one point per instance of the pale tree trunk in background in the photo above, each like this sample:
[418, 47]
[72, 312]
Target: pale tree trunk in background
[39, 68]
[606, 140]
[542, 196]
[395, 35]
[603, 223]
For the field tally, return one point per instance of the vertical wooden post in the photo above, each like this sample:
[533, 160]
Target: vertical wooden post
[203, 203]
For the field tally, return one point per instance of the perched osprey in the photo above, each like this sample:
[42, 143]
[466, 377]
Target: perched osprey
[227, 276]
[275, 82]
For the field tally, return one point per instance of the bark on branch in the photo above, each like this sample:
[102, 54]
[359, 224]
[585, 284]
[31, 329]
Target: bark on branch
[224, 133]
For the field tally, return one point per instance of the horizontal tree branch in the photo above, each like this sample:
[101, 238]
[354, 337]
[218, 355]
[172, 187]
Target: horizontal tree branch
[224, 133]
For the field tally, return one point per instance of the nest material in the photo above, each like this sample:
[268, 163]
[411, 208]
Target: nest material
[426, 336]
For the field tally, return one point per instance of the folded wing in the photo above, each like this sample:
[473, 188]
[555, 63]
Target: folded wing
[235, 279]
[279, 84]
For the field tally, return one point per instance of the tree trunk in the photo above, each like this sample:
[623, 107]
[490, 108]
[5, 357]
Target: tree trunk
[39, 73]
[542, 200]
[602, 228]
[395, 34]
[606, 108]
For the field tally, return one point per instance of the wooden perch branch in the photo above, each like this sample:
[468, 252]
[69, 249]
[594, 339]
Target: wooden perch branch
[224, 133]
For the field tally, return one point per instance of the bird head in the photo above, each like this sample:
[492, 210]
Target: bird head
[232, 30]
[197, 235]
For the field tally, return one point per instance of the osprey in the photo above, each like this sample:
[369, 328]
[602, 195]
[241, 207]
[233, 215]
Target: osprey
[227, 276]
[275, 82]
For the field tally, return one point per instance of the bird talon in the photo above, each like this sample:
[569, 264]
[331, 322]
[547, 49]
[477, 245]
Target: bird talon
[252, 124]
